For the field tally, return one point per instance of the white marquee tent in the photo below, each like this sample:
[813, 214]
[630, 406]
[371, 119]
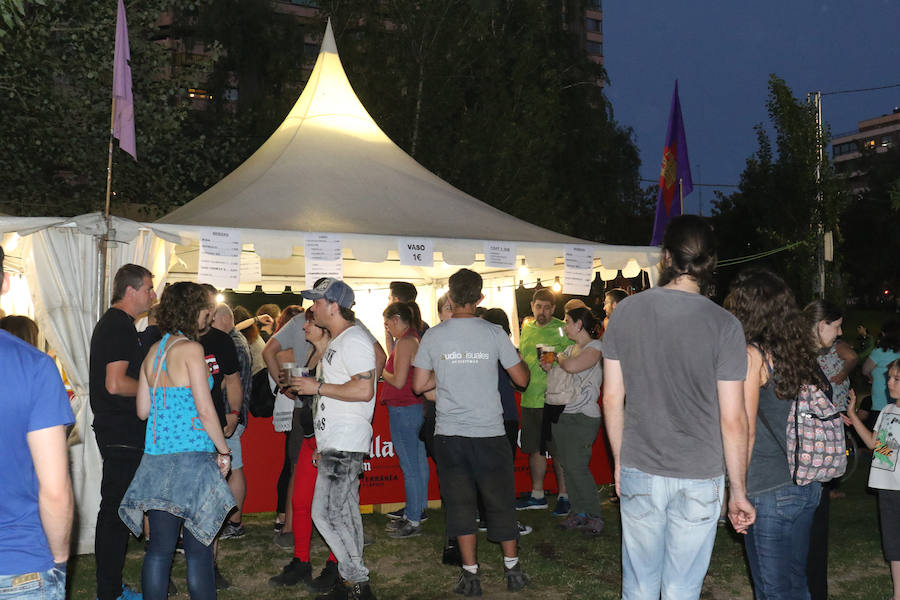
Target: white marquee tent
[327, 169]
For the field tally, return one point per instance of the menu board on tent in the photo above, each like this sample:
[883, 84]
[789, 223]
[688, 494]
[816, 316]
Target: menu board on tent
[220, 258]
[579, 270]
[500, 255]
[251, 268]
[323, 257]
[416, 252]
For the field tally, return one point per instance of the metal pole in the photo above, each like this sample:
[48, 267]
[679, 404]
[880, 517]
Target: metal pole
[700, 191]
[103, 241]
[816, 99]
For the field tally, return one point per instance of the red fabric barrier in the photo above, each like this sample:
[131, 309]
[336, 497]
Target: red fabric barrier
[263, 451]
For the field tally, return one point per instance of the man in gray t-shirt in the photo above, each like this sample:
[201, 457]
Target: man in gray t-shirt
[674, 365]
[459, 359]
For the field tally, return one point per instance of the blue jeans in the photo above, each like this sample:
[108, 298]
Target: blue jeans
[668, 531]
[46, 585]
[201, 580]
[778, 542]
[405, 424]
[335, 510]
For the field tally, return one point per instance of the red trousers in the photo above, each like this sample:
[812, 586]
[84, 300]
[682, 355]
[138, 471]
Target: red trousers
[305, 474]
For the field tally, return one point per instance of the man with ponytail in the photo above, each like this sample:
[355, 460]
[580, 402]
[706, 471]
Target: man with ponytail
[681, 360]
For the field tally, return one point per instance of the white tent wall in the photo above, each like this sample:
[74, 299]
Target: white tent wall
[59, 259]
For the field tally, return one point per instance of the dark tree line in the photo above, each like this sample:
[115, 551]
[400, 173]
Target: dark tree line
[495, 97]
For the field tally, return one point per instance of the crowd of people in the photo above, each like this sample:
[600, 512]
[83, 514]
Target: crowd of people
[691, 392]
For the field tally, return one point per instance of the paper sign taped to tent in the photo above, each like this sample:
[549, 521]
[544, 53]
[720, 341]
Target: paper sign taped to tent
[416, 252]
[500, 255]
[251, 268]
[323, 257]
[220, 258]
[579, 270]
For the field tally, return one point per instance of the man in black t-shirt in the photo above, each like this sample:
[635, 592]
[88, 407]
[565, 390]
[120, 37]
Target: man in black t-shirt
[222, 360]
[114, 368]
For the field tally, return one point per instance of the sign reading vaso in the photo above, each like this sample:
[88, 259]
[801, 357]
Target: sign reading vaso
[416, 252]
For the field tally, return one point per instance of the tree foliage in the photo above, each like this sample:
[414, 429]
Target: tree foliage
[778, 201]
[496, 96]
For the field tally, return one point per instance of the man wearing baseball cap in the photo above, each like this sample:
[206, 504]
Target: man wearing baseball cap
[342, 416]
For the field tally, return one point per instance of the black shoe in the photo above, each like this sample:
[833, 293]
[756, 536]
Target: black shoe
[359, 591]
[326, 579]
[451, 554]
[221, 582]
[516, 579]
[337, 592]
[292, 574]
[469, 584]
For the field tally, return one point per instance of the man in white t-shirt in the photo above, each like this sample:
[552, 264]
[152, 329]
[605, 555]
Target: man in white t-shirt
[342, 416]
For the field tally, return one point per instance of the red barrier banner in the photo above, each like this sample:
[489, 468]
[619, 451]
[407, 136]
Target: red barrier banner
[382, 482]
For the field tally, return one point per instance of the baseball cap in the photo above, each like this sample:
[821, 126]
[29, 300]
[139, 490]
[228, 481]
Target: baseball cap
[333, 290]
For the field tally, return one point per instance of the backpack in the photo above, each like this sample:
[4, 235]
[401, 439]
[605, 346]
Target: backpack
[262, 400]
[816, 445]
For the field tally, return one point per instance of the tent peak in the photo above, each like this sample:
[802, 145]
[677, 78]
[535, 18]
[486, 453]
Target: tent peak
[328, 43]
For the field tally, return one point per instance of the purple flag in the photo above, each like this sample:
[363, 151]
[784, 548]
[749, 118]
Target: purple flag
[123, 119]
[674, 175]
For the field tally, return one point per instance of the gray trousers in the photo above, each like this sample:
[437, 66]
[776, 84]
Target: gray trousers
[574, 435]
[335, 511]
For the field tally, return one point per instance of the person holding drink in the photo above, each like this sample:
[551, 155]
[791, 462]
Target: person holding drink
[542, 336]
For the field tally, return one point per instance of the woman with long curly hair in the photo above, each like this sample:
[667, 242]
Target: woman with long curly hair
[781, 358]
[181, 478]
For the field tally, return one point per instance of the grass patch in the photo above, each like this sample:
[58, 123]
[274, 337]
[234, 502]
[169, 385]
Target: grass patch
[561, 564]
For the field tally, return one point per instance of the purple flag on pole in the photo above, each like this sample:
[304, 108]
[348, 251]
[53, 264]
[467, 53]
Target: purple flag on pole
[674, 175]
[123, 119]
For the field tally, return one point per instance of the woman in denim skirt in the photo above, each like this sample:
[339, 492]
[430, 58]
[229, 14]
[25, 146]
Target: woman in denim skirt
[781, 358]
[181, 478]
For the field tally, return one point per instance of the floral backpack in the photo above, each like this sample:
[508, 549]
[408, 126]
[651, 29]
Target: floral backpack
[816, 446]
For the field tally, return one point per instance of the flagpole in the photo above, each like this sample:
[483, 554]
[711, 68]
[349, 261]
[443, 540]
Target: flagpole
[102, 280]
[681, 192]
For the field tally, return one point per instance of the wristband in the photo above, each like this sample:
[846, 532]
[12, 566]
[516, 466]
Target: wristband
[319, 391]
[236, 413]
[228, 454]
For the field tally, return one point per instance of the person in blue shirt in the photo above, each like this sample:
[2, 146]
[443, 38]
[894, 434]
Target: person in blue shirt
[38, 506]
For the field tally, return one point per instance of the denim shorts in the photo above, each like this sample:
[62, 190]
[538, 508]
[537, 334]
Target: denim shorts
[185, 484]
[46, 585]
[234, 444]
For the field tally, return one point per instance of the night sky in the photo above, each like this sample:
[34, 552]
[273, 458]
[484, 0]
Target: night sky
[722, 54]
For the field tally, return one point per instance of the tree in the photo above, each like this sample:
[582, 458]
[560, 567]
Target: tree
[869, 227]
[778, 201]
[54, 126]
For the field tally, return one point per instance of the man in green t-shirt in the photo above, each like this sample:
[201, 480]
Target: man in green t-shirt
[545, 330]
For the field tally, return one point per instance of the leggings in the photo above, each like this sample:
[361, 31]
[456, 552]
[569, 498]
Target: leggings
[164, 528]
[304, 485]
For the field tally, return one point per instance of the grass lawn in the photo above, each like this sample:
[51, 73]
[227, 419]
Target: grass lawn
[561, 564]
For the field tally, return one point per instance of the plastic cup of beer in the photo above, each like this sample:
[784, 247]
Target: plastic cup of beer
[286, 368]
[548, 354]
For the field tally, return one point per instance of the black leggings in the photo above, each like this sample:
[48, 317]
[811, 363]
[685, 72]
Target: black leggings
[284, 479]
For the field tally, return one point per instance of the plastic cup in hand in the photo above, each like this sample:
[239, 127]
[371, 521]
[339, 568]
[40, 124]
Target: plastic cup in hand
[286, 368]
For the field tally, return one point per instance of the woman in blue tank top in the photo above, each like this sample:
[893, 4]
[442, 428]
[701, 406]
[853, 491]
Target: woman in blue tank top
[781, 358]
[181, 478]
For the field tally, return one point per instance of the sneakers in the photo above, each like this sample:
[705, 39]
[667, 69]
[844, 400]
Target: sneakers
[593, 525]
[326, 579]
[221, 582]
[284, 540]
[278, 526]
[574, 521]
[516, 579]
[468, 584]
[393, 525]
[400, 513]
[358, 591]
[406, 530]
[523, 529]
[129, 594]
[292, 574]
[563, 506]
[232, 531]
[529, 502]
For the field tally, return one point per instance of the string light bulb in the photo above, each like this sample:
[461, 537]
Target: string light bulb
[557, 286]
[523, 270]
